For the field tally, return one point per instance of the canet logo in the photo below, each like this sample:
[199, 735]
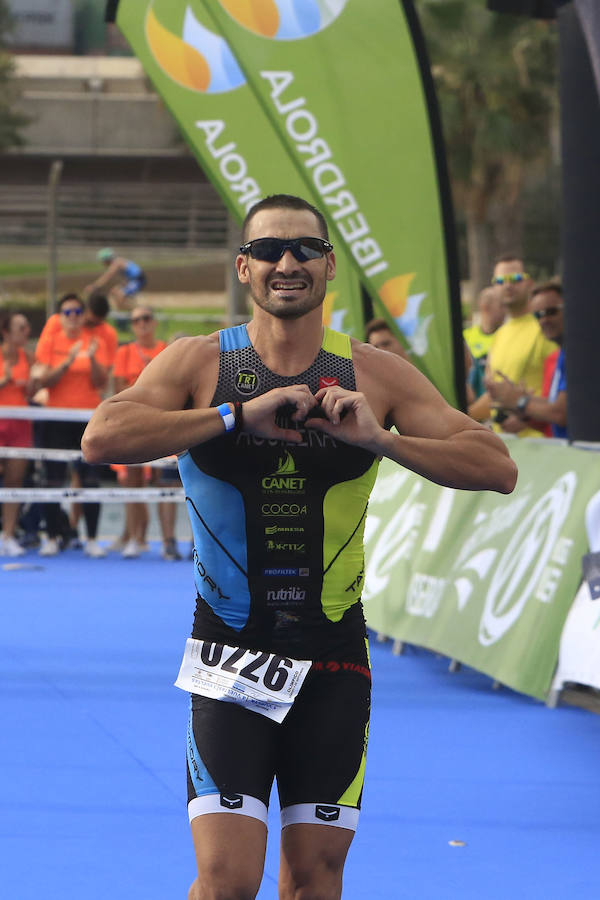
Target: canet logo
[198, 59]
[281, 20]
[285, 478]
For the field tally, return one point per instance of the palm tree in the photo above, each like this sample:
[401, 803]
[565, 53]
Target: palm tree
[11, 122]
[495, 77]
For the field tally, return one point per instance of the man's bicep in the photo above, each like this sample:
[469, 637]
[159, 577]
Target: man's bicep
[163, 383]
[420, 411]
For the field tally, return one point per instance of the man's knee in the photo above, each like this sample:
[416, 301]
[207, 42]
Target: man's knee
[321, 880]
[210, 888]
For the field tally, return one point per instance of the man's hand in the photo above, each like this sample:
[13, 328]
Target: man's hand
[348, 417]
[74, 352]
[260, 414]
[505, 393]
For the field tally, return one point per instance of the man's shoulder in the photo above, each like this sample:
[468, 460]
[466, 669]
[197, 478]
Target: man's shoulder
[191, 353]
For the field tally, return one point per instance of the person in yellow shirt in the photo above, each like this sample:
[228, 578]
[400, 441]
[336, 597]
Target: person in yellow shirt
[519, 349]
[479, 338]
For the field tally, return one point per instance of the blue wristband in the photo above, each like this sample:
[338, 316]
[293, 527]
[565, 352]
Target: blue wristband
[227, 415]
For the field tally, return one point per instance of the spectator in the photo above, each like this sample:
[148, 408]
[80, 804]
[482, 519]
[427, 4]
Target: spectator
[73, 368]
[479, 337]
[126, 277]
[15, 389]
[131, 360]
[94, 319]
[546, 305]
[519, 348]
[379, 334]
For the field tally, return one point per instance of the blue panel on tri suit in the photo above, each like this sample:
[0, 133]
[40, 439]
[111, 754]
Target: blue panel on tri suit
[219, 526]
[234, 338]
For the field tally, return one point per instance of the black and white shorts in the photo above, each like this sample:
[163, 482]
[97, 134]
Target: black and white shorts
[317, 754]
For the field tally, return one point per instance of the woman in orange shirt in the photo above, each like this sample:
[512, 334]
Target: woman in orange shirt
[130, 361]
[15, 389]
[74, 367]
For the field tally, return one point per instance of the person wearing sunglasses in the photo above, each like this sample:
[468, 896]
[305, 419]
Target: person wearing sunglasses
[519, 349]
[280, 425]
[73, 366]
[550, 408]
[130, 362]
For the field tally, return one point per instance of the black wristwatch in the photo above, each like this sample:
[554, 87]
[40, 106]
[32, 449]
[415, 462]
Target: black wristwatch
[522, 404]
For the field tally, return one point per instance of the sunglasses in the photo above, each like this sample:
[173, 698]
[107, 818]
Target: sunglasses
[549, 311]
[513, 278]
[272, 249]
[72, 311]
[144, 318]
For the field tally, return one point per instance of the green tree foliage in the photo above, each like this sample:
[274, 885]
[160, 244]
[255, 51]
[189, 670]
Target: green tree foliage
[11, 121]
[495, 77]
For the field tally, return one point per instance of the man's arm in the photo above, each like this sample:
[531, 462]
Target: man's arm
[520, 401]
[148, 420]
[112, 271]
[434, 439]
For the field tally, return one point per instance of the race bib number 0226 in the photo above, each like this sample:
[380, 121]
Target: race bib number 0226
[262, 682]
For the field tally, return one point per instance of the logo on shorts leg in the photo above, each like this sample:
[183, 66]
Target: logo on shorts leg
[233, 801]
[327, 813]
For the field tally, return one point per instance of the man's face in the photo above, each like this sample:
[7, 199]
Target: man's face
[287, 289]
[547, 307]
[383, 339]
[513, 294]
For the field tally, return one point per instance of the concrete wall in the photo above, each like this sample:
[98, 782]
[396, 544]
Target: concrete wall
[93, 105]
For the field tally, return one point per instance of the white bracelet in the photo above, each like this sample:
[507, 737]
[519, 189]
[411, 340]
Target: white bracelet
[227, 415]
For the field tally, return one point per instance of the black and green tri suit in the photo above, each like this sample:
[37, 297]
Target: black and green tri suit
[278, 561]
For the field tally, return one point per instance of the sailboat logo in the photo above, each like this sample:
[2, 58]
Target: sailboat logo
[286, 478]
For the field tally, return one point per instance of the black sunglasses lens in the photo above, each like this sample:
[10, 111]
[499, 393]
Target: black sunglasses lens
[272, 249]
[267, 249]
[310, 248]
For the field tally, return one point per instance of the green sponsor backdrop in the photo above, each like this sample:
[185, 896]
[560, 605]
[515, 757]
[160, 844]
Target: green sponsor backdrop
[341, 84]
[480, 577]
[194, 71]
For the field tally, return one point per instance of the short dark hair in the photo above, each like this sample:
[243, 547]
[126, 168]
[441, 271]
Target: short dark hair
[6, 321]
[69, 296]
[98, 305]
[284, 201]
[508, 257]
[375, 325]
[555, 286]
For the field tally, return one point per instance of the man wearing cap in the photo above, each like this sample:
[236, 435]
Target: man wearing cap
[126, 277]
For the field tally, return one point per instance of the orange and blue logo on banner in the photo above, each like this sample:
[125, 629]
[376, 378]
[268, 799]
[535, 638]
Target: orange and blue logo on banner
[201, 60]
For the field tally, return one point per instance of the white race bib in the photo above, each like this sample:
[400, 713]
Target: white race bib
[262, 682]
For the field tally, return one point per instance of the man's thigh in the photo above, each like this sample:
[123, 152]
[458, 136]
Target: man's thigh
[230, 854]
[231, 759]
[322, 750]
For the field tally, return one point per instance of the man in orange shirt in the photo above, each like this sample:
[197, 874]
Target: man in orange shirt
[74, 368]
[94, 320]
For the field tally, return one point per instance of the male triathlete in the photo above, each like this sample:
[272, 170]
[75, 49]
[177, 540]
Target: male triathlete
[279, 425]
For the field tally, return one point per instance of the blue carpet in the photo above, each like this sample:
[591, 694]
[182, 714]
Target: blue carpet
[92, 758]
